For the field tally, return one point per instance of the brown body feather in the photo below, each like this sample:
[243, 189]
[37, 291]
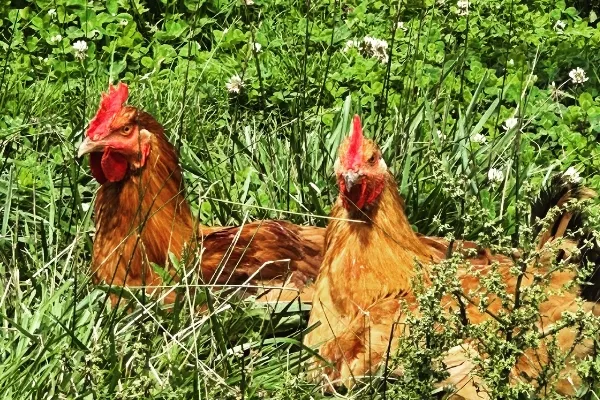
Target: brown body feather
[143, 217]
[366, 275]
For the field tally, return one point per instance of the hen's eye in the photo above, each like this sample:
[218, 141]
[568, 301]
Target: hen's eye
[372, 159]
[126, 129]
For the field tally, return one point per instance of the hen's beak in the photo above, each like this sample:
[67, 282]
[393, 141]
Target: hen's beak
[89, 146]
[350, 179]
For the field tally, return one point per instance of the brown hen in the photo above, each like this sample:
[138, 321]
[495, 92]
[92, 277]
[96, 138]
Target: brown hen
[369, 262]
[141, 214]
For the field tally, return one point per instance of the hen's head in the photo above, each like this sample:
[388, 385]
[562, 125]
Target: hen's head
[116, 138]
[361, 172]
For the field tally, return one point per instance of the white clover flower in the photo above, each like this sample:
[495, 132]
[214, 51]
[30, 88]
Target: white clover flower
[401, 26]
[52, 12]
[572, 175]
[257, 47]
[375, 44]
[123, 22]
[351, 44]
[239, 352]
[235, 84]
[511, 62]
[80, 48]
[510, 123]
[478, 138]
[441, 135]
[56, 38]
[578, 75]
[559, 26]
[495, 176]
[376, 48]
[463, 7]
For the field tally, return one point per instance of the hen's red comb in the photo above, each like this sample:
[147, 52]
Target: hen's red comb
[354, 154]
[110, 105]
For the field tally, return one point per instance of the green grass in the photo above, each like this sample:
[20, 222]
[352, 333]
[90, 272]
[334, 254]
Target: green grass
[267, 153]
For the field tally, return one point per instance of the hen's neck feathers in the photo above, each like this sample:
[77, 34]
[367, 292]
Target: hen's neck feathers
[377, 254]
[149, 203]
[386, 218]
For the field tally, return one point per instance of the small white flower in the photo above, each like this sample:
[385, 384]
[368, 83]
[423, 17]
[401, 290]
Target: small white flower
[511, 62]
[123, 22]
[510, 123]
[351, 44]
[257, 47]
[495, 176]
[559, 26]
[52, 12]
[225, 31]
[376, 48]
[239, 352]
[401, 26]
[80, 48]
[478, 138]
[375, 44]
[56, 38]
[248, 2]
[441, 135]
[578, 75]
[463, 7]
[571, 175]
[235, 84]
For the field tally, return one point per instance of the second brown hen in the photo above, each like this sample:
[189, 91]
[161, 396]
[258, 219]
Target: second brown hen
[370, 259]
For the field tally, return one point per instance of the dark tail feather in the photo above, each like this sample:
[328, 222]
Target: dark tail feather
[590, 261]
[571, 223]
[556, 194]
